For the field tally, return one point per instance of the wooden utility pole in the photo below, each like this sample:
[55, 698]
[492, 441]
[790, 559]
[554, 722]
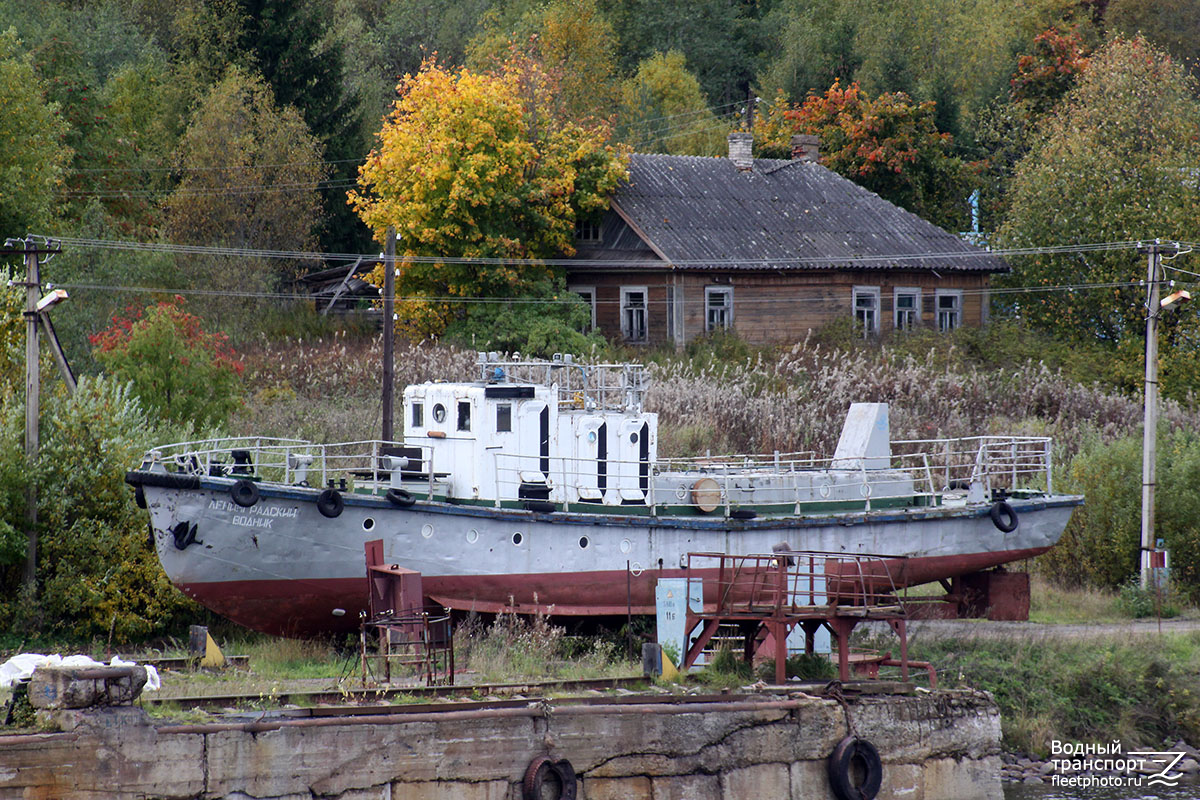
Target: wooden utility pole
[389, 329]
[1150, 430]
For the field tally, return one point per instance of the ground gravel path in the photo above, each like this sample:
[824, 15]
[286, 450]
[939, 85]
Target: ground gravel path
[987, 629]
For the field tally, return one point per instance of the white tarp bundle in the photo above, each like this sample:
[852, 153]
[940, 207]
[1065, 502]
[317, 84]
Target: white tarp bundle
[21, 667]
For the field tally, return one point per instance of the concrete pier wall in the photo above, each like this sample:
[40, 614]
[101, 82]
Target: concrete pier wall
[936, 745]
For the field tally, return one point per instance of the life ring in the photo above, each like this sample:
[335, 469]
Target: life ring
[869, 771]
[244, 493]
[400, 497]
[139, 496]
[330, 503]
[540, 769]
[1003, 517]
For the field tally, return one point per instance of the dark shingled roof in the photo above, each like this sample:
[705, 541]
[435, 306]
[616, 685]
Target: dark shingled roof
[795, 214]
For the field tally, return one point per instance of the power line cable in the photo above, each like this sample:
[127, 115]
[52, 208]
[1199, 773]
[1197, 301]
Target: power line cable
[765, 263]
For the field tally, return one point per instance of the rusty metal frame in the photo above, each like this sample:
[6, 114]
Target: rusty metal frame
[770, 594]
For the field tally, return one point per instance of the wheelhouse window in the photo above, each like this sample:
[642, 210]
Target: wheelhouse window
[418, 415]
[866, 310]
[504, 418]
[949, 309]
[588, 293]
[633, 313]
[718, 308]
[907, 308]
[464, 415]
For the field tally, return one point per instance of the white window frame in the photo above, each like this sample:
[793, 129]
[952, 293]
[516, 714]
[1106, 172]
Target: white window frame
[873, 293]
[591, 293]
[906, 291]
[627, 329]
[953, 316]
[725, 292]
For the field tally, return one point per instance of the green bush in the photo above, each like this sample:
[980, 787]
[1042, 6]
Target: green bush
[97, 571]
[179, 371]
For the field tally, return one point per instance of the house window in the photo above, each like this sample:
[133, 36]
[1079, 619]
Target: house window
[418, 415]
[949, 309]
[587, 231]
[866, 309]
[633, 313]
[718, 308]
[588, 293]
[908, 308]
[504, 418]
[464, 415]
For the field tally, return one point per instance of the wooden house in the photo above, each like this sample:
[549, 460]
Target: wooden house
[769, 248]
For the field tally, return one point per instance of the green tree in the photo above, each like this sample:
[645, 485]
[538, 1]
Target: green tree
[1116, 162]
[33, 158]
[250, 168]
[663, 110]
[890, 145]
[179, 371]
[476, 166]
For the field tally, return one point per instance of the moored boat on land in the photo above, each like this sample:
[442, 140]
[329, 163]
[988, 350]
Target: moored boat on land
[538, 488]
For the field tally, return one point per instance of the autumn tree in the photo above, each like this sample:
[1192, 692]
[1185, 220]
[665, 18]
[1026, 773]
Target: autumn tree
[475, 167]
[1116, 162]
[663, 110]
[180, 371]
[33, 158]
[890, 145]
[572, 41]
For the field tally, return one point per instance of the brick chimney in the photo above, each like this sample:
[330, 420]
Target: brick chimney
[741, 146]
[806, 147]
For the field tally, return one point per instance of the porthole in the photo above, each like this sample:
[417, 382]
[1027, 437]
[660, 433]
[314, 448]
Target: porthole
[368, 524]
[626, 545]
[518, 538]
[633, 438]
[427, 531]
[439, 413]
[583, 542]
[472, 536]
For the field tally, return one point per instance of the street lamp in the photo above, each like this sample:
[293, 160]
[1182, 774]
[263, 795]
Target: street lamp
[1154, 307]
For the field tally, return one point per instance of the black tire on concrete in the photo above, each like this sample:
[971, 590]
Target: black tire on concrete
[842, 776]
[539, 770]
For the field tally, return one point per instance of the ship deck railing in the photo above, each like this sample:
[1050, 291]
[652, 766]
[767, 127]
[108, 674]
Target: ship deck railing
[609, 387]
[940, 469]
[294, 462]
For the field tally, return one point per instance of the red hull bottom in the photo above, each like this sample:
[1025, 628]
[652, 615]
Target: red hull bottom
[312, 607]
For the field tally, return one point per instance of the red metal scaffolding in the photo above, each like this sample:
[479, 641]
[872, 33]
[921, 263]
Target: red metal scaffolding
[769, 595]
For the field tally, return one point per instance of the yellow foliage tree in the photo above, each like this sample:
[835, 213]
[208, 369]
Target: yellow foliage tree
[477, 166]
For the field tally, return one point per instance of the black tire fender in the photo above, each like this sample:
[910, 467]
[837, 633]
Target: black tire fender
[542, 768]
[244, 493]
[400, 497]
[139, 496]
[541, 506]
[1004, 516]
[840, 767]
[330, 503]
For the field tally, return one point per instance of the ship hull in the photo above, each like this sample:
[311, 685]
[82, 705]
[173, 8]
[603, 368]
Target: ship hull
[282, 567]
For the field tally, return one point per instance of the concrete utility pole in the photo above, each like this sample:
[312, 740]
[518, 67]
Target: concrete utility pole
[1154, 308]
[33, 288]
[389, 328]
